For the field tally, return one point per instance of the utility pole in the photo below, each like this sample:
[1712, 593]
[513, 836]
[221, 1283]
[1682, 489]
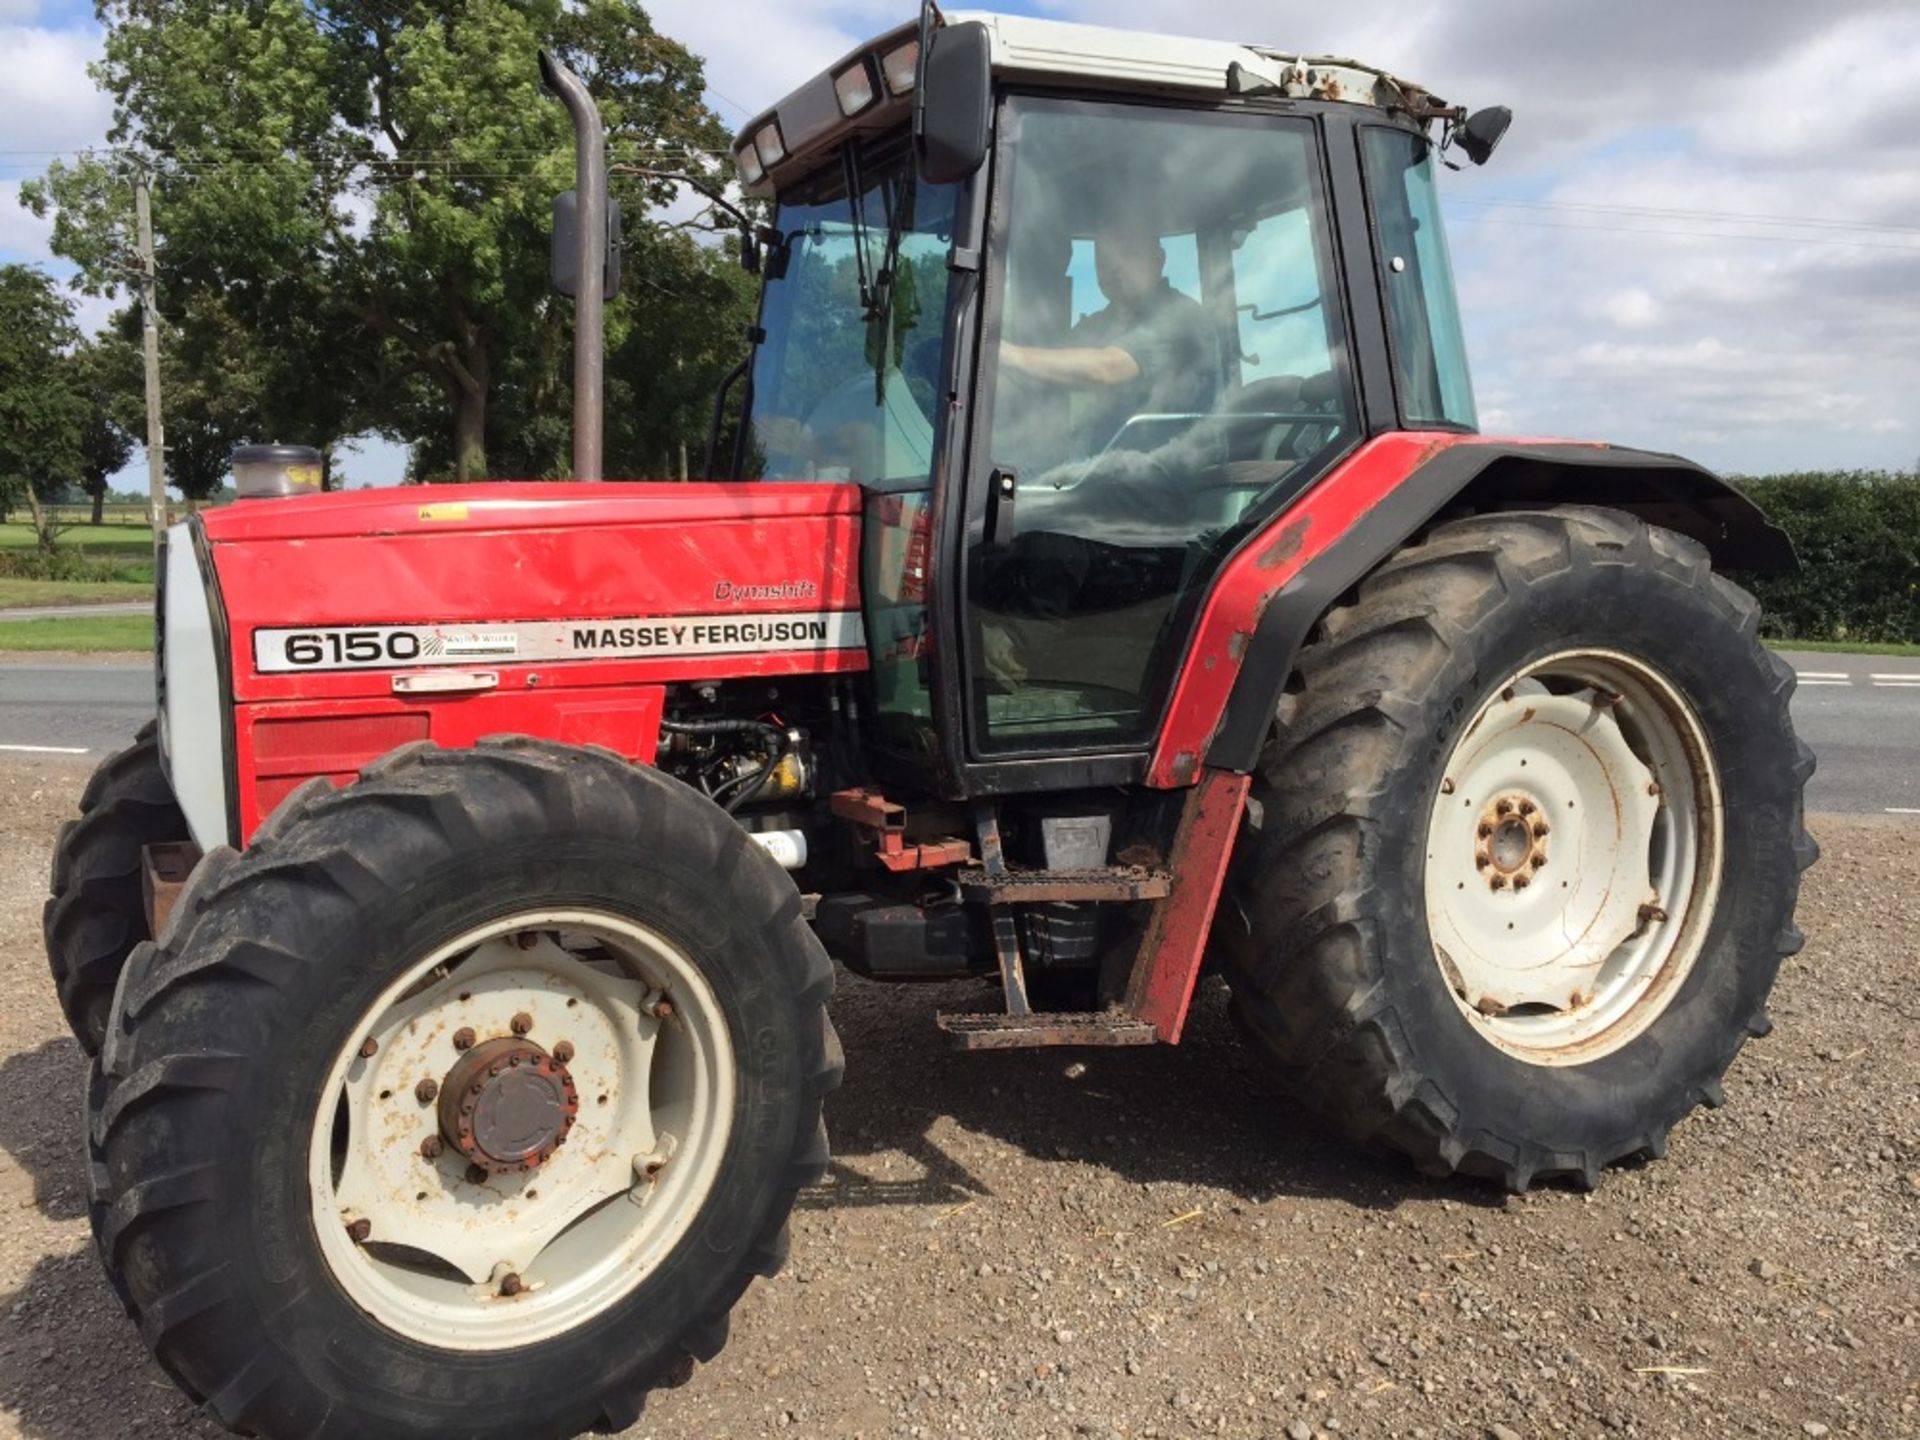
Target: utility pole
[150, 342]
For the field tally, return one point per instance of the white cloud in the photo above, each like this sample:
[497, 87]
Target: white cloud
[51, 102]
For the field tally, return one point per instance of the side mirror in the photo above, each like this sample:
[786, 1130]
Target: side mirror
[1482, 131]
[953, 102]
[563, 263]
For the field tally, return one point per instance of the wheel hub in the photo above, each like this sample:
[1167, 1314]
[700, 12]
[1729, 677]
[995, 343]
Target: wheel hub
[1511, 841]
[507, 1105]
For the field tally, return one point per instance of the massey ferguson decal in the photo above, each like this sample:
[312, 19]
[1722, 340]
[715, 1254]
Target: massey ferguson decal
[377, 647]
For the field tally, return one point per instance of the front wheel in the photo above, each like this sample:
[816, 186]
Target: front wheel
[467, 1101]
[1528, 851]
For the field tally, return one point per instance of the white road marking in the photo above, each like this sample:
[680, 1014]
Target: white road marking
[1896, 675]
[1821, 674]
[48, 749]
[1901, 810]
[1804, 680]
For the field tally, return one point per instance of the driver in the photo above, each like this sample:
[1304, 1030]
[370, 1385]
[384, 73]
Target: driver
[1150, 351]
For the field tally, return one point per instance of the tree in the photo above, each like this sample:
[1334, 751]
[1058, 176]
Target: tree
[361, 193]
[106, 372]
[41, 413]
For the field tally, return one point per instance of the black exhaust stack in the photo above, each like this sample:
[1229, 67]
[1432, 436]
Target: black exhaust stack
[588, 267]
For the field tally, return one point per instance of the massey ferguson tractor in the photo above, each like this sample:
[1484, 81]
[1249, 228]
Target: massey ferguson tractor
[1105, 584]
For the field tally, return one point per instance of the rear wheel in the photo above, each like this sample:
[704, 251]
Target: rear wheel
[95, 914]
[499, 1069]
[1528, 850]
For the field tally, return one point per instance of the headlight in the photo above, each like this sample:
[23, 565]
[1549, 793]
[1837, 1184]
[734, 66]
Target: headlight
[854, 89]
[899, 67]
[766, 143]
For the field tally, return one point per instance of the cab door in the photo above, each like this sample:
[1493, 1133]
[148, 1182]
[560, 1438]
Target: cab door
[1164, 356]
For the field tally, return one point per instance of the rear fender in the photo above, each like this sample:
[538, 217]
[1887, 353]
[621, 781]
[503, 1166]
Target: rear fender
[1270, 595]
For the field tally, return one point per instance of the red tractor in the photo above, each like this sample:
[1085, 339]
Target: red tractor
[1106, 584]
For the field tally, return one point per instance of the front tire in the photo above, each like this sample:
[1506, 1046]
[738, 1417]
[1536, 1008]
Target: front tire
[95, 913]
[467, 1101]
[1529, 842]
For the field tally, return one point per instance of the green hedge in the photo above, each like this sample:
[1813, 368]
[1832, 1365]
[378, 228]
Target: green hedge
[1858, 537]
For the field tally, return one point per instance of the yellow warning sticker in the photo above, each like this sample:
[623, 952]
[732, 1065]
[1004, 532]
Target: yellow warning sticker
[443, 512]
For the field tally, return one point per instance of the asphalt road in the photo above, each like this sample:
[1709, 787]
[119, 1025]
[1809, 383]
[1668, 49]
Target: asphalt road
[1861, 714]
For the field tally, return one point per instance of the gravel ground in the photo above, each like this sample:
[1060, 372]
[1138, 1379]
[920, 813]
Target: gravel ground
[1152, 1243]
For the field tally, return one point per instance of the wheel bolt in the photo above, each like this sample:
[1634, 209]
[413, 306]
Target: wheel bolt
[510, 1285]
[522, 1023]
[370, 1048]
[359, 1231]
[1526, 807]
[1499, 882]
[431, 1147]
[1501, 807]
[1539, 829]
[1485, 830]
[476, 1175]
[463, 1038]
[426, 1090]
[1520, 882]
[563, 1052]
[1482, 861]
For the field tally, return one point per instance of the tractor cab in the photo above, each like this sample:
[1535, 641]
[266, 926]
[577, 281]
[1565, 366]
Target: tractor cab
[1078, 310]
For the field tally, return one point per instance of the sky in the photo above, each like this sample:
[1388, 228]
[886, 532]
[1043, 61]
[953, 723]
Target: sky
[1702, 233]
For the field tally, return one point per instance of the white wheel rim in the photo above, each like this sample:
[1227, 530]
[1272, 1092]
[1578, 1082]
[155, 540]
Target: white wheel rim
[652, 1065]
[1573, 856]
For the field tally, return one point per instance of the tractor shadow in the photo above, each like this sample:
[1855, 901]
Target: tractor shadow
[40, 1124]
[1203, 1113]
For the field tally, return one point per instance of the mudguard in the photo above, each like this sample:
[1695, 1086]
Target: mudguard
[1269, 595]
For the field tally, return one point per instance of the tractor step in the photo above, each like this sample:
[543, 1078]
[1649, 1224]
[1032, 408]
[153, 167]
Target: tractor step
[1032, 887]
[1022, 1032]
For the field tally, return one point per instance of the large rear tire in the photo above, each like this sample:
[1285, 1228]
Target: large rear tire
[95, 914]
[467, 1101]
[1529, 838]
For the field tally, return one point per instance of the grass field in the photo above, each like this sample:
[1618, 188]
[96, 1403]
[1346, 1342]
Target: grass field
[15, 594]
[130, 540]
[1846, 647]
[133, 633]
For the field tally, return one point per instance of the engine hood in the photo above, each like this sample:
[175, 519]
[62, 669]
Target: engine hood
[548, 583]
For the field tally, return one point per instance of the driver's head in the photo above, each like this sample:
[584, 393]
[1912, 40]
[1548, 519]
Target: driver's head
[1128, 259]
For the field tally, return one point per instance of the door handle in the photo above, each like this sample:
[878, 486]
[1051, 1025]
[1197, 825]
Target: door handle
[1003, 486]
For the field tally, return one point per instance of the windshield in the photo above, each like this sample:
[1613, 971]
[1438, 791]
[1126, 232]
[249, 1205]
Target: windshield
[845, 380]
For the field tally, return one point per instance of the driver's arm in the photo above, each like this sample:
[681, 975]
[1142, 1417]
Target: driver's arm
[1074, 365]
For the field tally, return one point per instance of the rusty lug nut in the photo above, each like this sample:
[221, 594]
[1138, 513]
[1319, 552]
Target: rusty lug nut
[1526, 807]
[511, 1286]
[1499, 882]
[1520, 882]
[521, 1023]
[563, 1052]
[1539, 862]
[663, 1010]
[425, 1091]
[476, 1175]
[431, 1147]
[370, 1048]
[359, 1231]
[1539, 829]
[1485, 830]
[1502, 807]
[1482, 861]
[463, 1038]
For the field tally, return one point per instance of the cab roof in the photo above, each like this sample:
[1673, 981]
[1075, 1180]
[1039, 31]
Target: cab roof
[812, 119]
